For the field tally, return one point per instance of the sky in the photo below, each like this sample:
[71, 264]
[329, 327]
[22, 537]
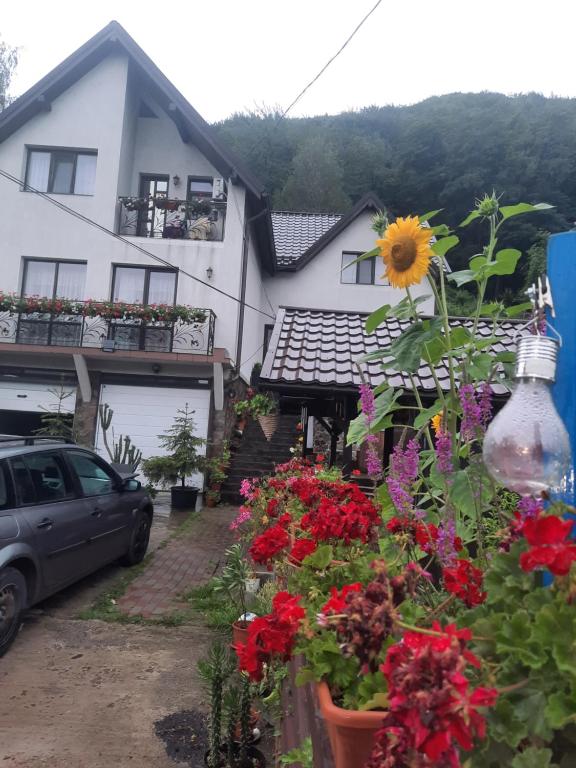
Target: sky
[227, 56]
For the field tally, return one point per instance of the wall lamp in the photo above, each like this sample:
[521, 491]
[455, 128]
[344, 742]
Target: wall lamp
[209, 273]
[176, 180]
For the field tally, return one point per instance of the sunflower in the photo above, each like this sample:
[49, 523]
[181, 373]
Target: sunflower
[437, 423]
[405, 249]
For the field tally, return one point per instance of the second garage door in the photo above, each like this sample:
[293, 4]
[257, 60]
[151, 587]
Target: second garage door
[143, 413]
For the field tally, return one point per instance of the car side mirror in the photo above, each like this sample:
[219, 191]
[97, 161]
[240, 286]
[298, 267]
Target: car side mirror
[130, 484]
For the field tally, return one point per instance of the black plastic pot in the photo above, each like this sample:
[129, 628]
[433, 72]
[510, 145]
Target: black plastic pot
[183, 497]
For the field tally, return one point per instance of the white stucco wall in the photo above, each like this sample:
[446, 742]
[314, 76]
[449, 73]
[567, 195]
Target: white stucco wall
[319, 285]
[254, 322]
[99, 112]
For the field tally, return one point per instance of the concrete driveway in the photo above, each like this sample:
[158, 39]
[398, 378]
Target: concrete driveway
[87, 694]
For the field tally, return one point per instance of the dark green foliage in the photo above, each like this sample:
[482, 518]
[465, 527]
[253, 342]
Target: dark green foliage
[440, 153]
[56, 421]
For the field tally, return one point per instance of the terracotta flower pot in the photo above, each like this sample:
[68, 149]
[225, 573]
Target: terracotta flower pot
[240, 632]
[269, 424]
[351, 732]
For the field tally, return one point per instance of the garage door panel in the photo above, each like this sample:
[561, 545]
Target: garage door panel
[34, 397]
[144, 413]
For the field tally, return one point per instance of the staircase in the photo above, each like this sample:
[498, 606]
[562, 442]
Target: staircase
[255, 456]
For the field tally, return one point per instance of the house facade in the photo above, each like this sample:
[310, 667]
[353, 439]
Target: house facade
[117, 198]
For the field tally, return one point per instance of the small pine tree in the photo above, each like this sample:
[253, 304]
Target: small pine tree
[56, 421]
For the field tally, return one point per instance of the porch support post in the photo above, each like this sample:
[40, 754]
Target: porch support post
[346, 454]
[83, 378]
[333, 445]
[218, 387]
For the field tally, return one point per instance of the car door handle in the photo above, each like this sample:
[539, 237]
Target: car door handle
[96, 512]
[45, 523]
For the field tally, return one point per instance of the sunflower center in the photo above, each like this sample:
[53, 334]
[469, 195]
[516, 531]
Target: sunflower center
[403, 253]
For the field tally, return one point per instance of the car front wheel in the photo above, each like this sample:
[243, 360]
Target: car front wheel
[12, 605]
[139, 539]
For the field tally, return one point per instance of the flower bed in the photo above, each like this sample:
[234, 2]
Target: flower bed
[108, 310]
[423, 612]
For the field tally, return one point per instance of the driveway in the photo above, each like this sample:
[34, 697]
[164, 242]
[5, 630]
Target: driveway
[87, 694]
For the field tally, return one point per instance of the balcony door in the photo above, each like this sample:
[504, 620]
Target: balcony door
[152, 220]
[143, 285]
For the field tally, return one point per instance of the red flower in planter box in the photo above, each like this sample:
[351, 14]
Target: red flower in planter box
[465, 581]
[433, 712]
[337, 601]
[425, 535]
[549, 548]
[268, 544]
[302, 548]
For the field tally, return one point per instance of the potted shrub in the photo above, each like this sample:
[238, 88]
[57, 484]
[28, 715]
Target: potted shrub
[212, 497]
[181, 461]
[164, 203]
[242, 409]
[236, 581]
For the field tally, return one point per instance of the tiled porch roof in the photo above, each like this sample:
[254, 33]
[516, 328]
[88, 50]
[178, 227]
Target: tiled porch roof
[319, 348]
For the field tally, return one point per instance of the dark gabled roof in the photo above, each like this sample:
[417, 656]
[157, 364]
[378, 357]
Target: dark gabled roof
[296, 231]
[191, 126]
[318, 349]
[299, 236]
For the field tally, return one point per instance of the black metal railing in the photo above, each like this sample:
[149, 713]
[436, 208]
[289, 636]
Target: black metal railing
[133, 334]
[173, 219]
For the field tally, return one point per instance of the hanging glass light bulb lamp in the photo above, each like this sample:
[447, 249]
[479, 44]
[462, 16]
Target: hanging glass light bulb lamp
[526, 447]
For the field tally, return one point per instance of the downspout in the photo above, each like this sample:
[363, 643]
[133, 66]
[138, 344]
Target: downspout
[245, 243]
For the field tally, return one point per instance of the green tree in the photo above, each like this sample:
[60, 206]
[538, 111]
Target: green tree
[8, 64]
[316, 180]
[56, 420]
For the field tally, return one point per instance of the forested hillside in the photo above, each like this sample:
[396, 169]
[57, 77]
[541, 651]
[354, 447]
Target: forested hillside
[441, 153]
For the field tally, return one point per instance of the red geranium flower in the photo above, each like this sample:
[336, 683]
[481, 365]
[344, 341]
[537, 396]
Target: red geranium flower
[268, 544]
[465, 581]
[549, 548]
[320, 458]
[302, 548]
[337, 601]
[356, 472]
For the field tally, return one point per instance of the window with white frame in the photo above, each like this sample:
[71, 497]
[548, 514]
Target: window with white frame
[200, 186]
[61, 171]
[365, 272]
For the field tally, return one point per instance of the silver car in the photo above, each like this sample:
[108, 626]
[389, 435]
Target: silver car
[64, 513]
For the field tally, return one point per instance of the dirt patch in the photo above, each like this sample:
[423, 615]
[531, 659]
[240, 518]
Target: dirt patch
[185, 736]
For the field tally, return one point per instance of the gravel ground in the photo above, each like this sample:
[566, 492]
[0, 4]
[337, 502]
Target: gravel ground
[88, 694]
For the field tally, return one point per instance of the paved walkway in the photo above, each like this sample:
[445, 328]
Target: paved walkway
[187, 560]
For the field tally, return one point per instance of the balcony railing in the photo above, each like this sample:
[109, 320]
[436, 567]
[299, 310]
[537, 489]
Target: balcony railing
[132, 334]
[172, 219]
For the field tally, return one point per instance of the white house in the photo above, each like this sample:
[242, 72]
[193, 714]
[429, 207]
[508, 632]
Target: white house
[93, 159]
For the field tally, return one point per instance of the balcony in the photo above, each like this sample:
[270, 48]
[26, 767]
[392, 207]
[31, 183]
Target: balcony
[172, 219]
[98, 325]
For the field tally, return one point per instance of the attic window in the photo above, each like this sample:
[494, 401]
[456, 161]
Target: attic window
[145, 111]
[366, 272]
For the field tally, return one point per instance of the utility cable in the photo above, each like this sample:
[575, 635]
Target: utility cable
[338, 52]
[122, 239]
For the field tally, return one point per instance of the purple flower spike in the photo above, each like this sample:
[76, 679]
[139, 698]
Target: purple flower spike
[444, 452]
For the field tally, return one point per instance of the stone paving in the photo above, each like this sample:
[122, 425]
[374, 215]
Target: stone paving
[188, 559]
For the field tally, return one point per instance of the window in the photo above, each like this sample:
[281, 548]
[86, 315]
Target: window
[365, 272]
[54, 279]
[200, 186]
[23, 482]
[142, 285]
[95, 479]
[4, 488]
[48, 477]
[61, 171]
[268, 328]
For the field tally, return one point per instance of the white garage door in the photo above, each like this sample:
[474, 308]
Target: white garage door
[143, 413]
[35, 398]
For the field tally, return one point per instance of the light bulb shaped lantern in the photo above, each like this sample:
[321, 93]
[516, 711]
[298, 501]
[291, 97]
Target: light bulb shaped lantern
[526, 447]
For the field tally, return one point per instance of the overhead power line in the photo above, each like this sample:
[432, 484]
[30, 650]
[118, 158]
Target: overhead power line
[102, 228]
[338, 52]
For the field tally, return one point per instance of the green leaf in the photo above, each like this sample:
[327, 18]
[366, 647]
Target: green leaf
[408, 348]
[505, 263]
[441, 247]
[491, 309]
[377, 317]
[363, 257]
[560, 710]
[440, 230]
[462, 277]
[533, 757]
[425, 416]
[515, 638]
[382, 497]
[403, 310]
[384, 404]
[321, 558]
[469, 219]
[518, 309]
[480, 366]
[430, 215]
[507, 211]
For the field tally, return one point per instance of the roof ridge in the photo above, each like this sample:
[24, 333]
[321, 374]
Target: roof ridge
[308, 213]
